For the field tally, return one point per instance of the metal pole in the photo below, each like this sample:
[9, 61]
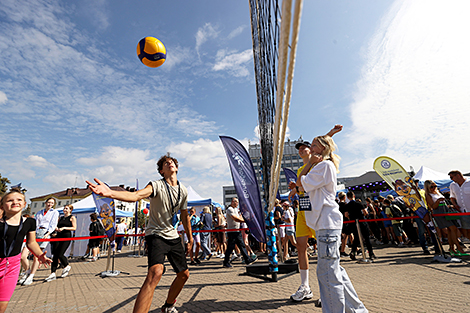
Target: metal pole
[359, 233]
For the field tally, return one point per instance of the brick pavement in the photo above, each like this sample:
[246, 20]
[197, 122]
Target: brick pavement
[401, 280]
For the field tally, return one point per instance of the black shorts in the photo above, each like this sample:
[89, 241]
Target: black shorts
[158, 247]
[94, 243]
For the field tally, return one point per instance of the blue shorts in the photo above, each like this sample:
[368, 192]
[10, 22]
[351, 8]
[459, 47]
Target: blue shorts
[290, 232]
[40, 235]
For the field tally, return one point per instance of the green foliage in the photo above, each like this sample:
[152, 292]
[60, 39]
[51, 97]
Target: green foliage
[3, 185]
[27, 210]
[142, 219]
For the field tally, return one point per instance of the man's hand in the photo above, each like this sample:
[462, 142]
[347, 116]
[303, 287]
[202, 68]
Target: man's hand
[292, 194]
[292, 185]
[189, 245]
[100, 188]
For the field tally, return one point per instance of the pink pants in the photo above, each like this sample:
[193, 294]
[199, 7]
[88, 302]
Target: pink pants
[9, 276]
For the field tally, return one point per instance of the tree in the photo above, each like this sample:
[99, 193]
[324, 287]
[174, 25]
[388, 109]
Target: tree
[3, 185]
[27, 210]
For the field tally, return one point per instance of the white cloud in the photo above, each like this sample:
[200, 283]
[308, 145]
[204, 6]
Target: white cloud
[233, 62]
[412, 100]
[178, 55]
[204, 34]
[40, 15]
[3, 97]
[17, 171]
[237, 31]
[96, 10]
[61, 179]
[118, 164]
[202, 156]
[37, 161]
[204, 166]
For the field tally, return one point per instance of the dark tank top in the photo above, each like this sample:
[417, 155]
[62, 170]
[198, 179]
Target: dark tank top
[64, 222]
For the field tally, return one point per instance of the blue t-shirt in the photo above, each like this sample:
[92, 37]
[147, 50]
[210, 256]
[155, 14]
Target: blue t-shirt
[194, 221]
[207, 220]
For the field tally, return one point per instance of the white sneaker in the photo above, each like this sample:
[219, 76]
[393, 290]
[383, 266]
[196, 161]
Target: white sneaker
[66, 271]
[23, 278]
[28, 280]
[301, 294]
[221, 256]
[233, 258]
[170, 309]
[50, 278]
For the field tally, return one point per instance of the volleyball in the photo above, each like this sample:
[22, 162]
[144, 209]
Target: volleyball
[151, 52]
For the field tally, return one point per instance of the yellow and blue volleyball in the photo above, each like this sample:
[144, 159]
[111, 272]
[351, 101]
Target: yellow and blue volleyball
[151, 52]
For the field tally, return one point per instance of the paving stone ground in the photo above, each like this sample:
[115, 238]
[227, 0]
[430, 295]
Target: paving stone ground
[400, 280]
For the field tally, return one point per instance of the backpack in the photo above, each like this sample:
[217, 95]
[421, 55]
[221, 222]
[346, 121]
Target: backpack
[402, 206]
[100, 229]
[395, 210]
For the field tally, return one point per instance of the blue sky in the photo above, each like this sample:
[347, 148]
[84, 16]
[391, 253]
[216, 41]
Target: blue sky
[76, 102]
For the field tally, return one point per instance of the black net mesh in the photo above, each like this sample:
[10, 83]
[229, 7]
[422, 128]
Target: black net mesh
[265, 25]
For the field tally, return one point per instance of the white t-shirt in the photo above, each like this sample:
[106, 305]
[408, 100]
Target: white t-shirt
[231, 223]
[180, 229]
[320, 184]
[161, 212]
[121, 228]
[461, 194]
[289, 216]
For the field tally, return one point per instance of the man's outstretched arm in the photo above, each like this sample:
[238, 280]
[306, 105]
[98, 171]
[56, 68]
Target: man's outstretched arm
[102, 189]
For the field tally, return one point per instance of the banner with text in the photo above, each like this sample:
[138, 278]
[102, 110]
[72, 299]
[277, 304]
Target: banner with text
[246, 185]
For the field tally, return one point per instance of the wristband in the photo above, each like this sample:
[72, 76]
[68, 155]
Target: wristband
[297, 188]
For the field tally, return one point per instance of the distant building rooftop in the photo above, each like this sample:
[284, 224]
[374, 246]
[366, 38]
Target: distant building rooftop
[77, 193]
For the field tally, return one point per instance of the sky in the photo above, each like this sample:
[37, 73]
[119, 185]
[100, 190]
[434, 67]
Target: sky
[77, 103]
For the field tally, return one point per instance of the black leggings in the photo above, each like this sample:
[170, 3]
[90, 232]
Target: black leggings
[58, 254]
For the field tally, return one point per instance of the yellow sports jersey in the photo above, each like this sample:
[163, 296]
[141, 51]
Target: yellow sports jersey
[301, 193]
[301, 229]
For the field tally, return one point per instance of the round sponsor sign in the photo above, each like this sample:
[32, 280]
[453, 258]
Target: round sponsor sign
[385, 164]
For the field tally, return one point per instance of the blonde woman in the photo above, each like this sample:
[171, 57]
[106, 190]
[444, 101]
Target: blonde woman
[436, 202]
[319, 180]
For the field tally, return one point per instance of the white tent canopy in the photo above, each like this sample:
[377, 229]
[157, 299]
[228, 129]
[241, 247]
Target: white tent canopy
[442, 180]
[195, 200]
[82, 210]
[425, 173]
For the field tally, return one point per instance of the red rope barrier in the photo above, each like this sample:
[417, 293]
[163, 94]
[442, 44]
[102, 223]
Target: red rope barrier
[233, 230]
